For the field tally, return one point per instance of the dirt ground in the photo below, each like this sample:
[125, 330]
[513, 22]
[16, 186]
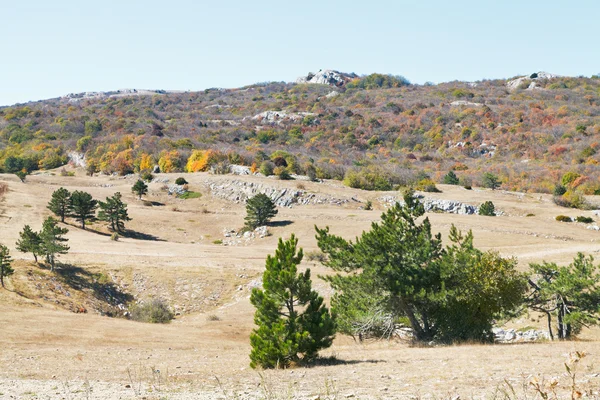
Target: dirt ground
[48, 352]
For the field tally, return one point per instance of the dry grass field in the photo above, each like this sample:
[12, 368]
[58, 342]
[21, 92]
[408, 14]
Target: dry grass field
[49, 351]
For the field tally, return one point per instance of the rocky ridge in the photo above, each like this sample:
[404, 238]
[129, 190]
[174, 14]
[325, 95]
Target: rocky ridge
[327, 77]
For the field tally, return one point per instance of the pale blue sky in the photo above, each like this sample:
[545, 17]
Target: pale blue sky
[51, 48]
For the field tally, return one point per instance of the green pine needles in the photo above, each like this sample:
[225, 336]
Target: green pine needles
[260, 210]
[292, 322]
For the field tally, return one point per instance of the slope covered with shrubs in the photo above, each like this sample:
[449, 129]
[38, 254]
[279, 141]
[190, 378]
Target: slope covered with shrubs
[378, 128]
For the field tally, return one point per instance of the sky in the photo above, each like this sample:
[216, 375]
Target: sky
[51, 48]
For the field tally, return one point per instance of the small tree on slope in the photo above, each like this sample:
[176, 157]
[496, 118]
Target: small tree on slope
[140, 188]
[29, 242]
[284, 334]
[5, 261]
[52, 241]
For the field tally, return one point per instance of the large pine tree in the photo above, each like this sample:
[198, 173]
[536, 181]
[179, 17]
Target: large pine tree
[292, 322]
[60, 202]
[114, 211]
[82, 206]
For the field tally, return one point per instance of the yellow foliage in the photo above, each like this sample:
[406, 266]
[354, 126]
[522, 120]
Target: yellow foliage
[145, 162]
[169, 161]
[201, 160]
[106, 159]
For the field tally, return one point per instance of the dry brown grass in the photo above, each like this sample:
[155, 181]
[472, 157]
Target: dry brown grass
[40, 339]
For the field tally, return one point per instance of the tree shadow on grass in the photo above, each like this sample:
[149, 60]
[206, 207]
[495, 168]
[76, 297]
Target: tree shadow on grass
[128, 233]
[98, 285]
[280, 223]
[334, 361]
[140, 236]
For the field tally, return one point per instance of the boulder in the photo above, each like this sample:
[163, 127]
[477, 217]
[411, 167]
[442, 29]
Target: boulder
[327, 77]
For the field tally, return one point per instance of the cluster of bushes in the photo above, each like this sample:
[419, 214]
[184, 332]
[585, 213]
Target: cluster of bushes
[581, 219]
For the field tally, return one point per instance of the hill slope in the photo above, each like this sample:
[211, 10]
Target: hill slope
[529, 134]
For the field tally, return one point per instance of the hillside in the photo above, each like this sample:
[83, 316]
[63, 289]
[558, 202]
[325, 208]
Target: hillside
[529, 130]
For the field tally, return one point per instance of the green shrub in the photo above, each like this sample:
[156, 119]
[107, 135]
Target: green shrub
[181, 181]
[427, 185]
[155, 311]
[563, 218]
[266, 168]
[571, 199]
[282, 173]
[368, 178]
[369, 205]
[218, 241]
[488, 209]
[147, 176]
[114, 236]
[585, 220]
[559, 190]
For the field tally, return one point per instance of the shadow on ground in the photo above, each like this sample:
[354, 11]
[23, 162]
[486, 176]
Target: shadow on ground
[99, 286]
[280, 223]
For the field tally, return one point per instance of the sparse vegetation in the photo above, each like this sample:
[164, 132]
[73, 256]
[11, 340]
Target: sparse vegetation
[154, 311]
[563, 218]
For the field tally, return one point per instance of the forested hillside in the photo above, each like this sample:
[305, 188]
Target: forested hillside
[379, 131]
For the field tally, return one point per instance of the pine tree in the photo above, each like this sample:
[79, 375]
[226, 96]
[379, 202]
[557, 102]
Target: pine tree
[29, 242]
[259, 209]
[451, 179]
[52, 241]
[114, 211]
[82, 206]
[570, 294]
[59, 203]
[488, 209]
[285, 334]
[5, 261]
[491, 181]
[140, 188]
